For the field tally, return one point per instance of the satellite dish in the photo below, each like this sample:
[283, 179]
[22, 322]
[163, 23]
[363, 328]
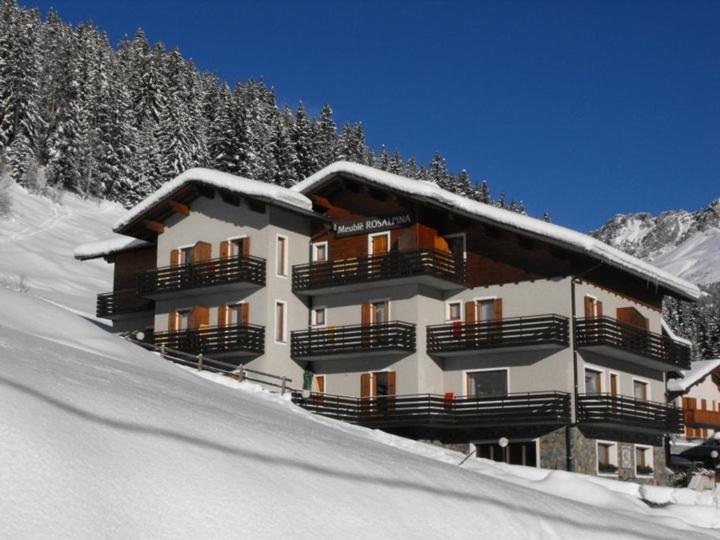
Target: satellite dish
[140, 336]
[503, 442]
[305, 393]
[714, 454]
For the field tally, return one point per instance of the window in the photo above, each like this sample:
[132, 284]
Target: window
[281, 256]
[593, 381]
[607, 458]
[382, 384]
[236, 314]
[320, 384]
[182, 319]
[643, 461]
[456, 244]
[318, 316]
[378, 243]
[487, 383]
[186, 255]
[239, 247]
[379, 312]
[593, 307]
[640, 390]
[280, 322]
[320, 252]
[454, 311]
[486, 310]
[515, 453]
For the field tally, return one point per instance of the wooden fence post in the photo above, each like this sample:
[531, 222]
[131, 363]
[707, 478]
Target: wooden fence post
[162, 349]
[200, 362]
[282, 388]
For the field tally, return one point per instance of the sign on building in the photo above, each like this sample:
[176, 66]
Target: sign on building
[371, 225]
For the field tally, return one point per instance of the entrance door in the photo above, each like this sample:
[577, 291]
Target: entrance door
[378, 246]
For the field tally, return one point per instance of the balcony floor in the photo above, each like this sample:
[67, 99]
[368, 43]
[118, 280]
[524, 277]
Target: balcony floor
[612, 351]
[202, 290]
[499, 349]
[358, 353]
[363, 285]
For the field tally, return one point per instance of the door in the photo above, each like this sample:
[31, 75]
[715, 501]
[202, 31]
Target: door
[633, 329]
[379, 246]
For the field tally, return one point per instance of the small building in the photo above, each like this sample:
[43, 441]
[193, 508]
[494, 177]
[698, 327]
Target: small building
[417, 311]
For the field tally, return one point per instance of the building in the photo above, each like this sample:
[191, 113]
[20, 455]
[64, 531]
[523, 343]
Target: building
[418, 311]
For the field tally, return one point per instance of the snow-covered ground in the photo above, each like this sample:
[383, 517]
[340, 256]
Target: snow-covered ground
[101, 439]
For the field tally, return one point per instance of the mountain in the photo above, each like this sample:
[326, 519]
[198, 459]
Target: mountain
[684, 243]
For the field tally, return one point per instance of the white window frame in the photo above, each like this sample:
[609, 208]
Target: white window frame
[286, 250]
[176, 313]
[387, 315]
[459, 235]
[313, 252]
[313, 319]
[285, 322]
[603, 375]
[467, 372]
[232, 239]
[652, 460]
[230, 305]
[181, 248]
[373, 235]
[647, 385]
[447, 310]
[594, 298]
[613, 455]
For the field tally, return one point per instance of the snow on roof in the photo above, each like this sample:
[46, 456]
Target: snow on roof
[673, 335]
[698, 371]
[237, 184]
[550, 232]
[103, 248]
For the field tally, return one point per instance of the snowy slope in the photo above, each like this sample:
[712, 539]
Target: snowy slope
[683, 243]
[101, 439]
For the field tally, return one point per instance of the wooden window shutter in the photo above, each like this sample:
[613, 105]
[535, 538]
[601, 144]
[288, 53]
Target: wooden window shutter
[244, 313]
[366, 308]
[365, 385]
[391, 383]
[588, 308]
[172, 321]
[199, 317]
[498, 309]
[470, 312]
[246, 247]
[222, 315]
[175, 257]
[441, 244]
[320, 379]
[202, 252]
[599, 309]
[224, 249]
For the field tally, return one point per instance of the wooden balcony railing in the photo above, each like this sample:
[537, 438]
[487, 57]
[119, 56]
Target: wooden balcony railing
[610, 332]
[122, 302]
[249, 338]
[629, 413]
[459, 336]
[205, 274]
[394, 264]
[334, 340]
[442, 412]
[702, 418]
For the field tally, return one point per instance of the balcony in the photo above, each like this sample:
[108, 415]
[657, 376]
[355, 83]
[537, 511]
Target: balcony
[611, 338]
[220, 274]
[122, 304]
[431, 267]
[334, 342]
[628, 414]
[699, 418]
[444, 417]
[219, 341]
[512, 334]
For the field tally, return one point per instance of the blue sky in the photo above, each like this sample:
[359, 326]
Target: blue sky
[584, 109]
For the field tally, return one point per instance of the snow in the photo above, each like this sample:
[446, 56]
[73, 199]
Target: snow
[548, 231]
[252, 188]
[698, 371]
[102, 439]
[103, 248]
[696, 259]
[673, 335]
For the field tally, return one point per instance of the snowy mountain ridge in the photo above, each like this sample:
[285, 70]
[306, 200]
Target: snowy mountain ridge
[684, 243]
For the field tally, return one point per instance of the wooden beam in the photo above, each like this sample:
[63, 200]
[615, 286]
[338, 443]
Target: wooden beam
[180, 208]
[154, 226]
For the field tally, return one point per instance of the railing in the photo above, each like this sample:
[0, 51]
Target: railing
[444, 412]
[205, 274]
[215, 339]
[607, 331]
[702, 418]
[394, 264]
[121, 302]
[332, 340]
[512, 332]
[629, 412]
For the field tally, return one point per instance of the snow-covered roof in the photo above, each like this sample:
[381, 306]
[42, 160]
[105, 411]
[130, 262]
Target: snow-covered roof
[94, 250]
[270, 193]
[673, 335]
[549, 232]
[698, 371]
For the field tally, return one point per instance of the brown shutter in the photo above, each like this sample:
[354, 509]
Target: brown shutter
[199, 316]
[498, 309]
[588, 307]
[613, 384]
[172, 321]
[175, 257]
[632, 317]
[224, 249]
[320, 383]
[244, 313]
[202, 252]
[599, 309]
[441, 244]
[246, 247]
[222, 315]
[366, 314]
[391, 383]
[470, 312]
[365, 385]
